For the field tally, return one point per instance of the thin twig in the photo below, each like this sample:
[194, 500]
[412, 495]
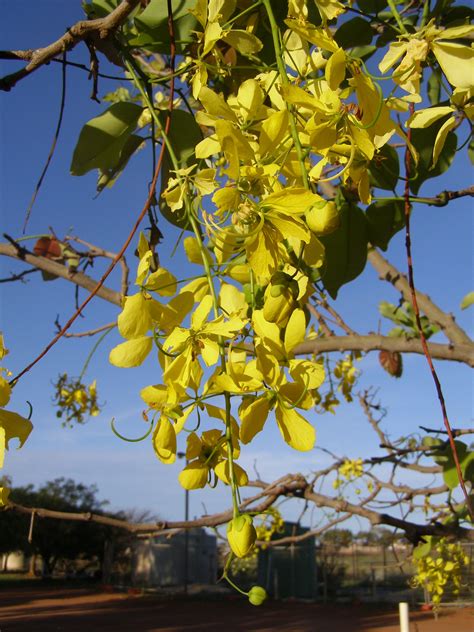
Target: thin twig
[60, 270]
[97, 251]
[456, 432]
[90, 332]
[53, 145]
[411, 281]
[19, 276]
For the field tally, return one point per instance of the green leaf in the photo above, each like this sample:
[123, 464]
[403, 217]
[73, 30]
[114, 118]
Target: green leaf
[372, 6]
[424, 548]
[346, 249]
[157, 12]
[395, 313]
[434, 87]
[355, 32]
[384, 169]
[467, 301]
[184, 135]
[424, 140]
[385, 218]
[363, 52]
[108, 178]
[444, 457]
[152, 26]
[103, 138]
[431, 442]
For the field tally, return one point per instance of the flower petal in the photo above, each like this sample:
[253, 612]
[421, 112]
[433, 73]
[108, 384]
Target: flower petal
[131, 353]
[253, 415]
[194, 475]
[295, 430]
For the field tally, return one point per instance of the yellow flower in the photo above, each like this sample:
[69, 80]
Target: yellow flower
[203, 338]
[12, 425]
[207, 454]
[455, 59]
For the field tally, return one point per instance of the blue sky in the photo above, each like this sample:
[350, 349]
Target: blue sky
[129, 475]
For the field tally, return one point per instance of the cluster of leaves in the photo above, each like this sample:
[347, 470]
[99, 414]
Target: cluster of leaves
[75, 401]
[439, 565]
[404, 316]
[442, 454]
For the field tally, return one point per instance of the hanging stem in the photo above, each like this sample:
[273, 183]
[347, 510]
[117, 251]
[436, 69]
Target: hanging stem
[397, 16]
[286, 82]
[93, 350]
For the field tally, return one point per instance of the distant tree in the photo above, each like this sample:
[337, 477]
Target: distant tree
[338, 538]
[377, 537]
[55, 539]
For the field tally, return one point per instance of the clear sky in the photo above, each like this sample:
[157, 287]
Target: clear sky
[129, 475]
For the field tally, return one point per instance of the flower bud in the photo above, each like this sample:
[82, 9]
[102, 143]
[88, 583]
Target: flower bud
[241, 535]
[257, 595]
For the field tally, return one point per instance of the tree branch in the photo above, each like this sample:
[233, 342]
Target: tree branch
[19, 276]
[95, 30]
[291, 485]
[97, 251]
[62, 271]
[460, 352]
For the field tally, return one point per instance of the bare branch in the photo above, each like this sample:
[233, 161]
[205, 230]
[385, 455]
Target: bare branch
[457, 353]
[456, 432]
[97, 251]
[62, 271]
[18, 276]
[292, 485]
[97, 31]
[90, 332]
[444, 197]
[312, 533]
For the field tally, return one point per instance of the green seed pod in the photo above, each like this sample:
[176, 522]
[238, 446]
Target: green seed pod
[257, 595]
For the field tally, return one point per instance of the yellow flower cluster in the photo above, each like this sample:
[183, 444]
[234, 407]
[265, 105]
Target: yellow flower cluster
[440, 570]
[346, 373]
[350, 470]
[75, 401]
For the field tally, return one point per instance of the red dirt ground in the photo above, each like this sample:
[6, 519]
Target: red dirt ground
[72, 610]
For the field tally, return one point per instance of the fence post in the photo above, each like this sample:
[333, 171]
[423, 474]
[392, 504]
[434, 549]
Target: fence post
[404, 618]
